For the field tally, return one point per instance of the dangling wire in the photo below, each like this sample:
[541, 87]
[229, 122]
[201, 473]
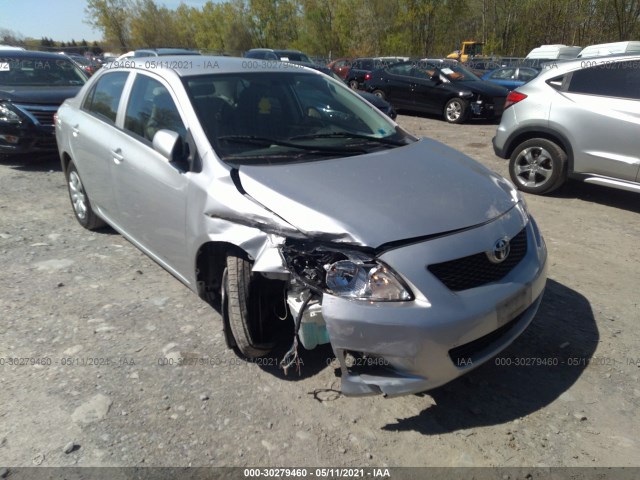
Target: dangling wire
[284, 304]
[291, 357]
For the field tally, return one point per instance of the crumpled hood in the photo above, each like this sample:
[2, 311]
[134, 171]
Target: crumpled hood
[422, 189]
[38, 95]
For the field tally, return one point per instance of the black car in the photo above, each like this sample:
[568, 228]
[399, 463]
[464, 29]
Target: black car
[380, 103]
[442, 88]
[359, 69]
[294, 56]
[32, 87]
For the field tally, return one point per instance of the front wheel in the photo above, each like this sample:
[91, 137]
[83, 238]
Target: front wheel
[456, 110]
[353, 84]
[379, 94]
[538, 166]
[80, 201]
[247, 308]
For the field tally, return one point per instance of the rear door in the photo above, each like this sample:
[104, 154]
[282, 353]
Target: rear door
[151, 193]
[93, 134]
[397, 85]
[603, 111]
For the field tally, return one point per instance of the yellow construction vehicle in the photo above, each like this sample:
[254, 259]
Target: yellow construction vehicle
[470, 49]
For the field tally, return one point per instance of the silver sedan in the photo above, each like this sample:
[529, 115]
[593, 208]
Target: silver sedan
[255, 181]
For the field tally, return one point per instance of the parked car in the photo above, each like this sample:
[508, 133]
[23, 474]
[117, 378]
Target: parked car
[341, 67]
[162, 52]
[438, 87]
[511, 77]
[294, 56]
[88, 66]
[32, 87]
[606, 49]
[380, 103]
[389, 247]
[576, 120]
[481, 66]
[359, 69]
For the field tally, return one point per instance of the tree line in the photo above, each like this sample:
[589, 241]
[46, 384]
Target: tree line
[332, 28]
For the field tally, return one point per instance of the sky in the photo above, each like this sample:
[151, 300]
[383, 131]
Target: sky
[61, 20]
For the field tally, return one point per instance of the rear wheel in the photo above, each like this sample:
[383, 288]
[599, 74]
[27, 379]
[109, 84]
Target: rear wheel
[353, 84]
[538, 166]
[456, 110]
[80, 201]
[247, 308]
[379, 94]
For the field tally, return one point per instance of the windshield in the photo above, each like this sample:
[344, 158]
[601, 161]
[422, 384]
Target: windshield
[40, 72]
[268, 117]
[454, 72]
[293, 57]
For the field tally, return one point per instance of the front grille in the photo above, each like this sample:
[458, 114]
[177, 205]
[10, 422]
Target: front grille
[43, 114]
[476, 270]
[471, 352]
[45, 143]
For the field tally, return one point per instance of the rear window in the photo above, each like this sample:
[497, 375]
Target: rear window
[614, 79]
[39, 72]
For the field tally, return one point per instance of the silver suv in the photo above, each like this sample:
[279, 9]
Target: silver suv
[578, 119]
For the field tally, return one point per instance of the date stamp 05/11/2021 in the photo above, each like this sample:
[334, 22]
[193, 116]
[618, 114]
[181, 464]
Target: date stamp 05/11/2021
[190, 360]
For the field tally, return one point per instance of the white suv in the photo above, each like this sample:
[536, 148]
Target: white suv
[578, 119]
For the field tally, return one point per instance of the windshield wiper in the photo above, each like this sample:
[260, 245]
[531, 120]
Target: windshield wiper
[265, 141]
[384, 141]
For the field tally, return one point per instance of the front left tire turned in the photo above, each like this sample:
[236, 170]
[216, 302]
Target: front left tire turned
[80, 202]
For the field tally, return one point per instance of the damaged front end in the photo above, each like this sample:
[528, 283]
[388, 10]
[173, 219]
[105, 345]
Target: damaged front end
[317, 270]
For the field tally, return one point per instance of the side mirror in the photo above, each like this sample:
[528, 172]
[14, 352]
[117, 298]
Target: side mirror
[169, 144]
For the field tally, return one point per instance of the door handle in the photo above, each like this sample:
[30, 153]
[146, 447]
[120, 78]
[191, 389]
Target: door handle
[75, 131]
[118, 158]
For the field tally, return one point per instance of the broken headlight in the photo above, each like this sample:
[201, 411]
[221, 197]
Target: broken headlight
[365, 281]
[343, 272]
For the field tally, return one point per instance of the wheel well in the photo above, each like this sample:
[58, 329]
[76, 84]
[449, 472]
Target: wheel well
[210, 264]
[65, 160]
[528, 135]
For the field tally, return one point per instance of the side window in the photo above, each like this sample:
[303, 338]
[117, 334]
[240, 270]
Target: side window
[404, 69]
[619, 79]
[150, 109]
[104, 97]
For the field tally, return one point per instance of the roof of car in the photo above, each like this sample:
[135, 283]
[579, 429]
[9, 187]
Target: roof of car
[274, 50]
[167, 51]
[32, 54]
[192, 65]
[559, 67]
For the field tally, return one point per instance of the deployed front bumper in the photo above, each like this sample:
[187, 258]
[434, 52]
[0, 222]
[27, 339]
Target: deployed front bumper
[442, 334]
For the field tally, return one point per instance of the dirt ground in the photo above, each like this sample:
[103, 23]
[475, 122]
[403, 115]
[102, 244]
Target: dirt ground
[89, 325]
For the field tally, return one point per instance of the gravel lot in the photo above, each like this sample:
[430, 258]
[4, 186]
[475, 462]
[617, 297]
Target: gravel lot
[93, 324]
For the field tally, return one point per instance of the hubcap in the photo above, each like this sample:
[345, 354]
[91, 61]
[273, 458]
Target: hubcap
[78, 197]
[454, 110]
[533, 167]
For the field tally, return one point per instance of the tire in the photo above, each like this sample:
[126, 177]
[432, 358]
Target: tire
[244, 302]
[353, 84]
[538, 166]
[456, 110]
[80, 202]
[379, 94]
